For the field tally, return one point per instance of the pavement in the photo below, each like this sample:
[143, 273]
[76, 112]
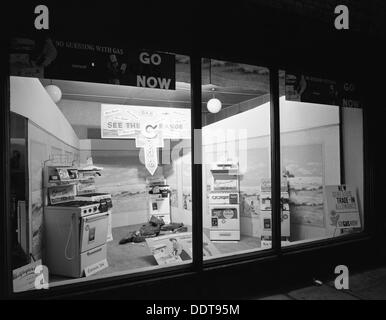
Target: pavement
[366, 285]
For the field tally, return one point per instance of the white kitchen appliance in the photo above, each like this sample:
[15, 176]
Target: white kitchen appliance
[224, 203]
[266, 213]
[158, 199]
[75, 230]
[98, 197]
[225, 222]
[86, 191]
[266, 224]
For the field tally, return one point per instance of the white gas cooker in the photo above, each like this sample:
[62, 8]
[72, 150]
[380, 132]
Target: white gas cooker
[76, 235]
[100, 197]
[81, 207]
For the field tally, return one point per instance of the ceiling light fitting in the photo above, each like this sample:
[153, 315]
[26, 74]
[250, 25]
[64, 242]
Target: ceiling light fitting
[54, 92]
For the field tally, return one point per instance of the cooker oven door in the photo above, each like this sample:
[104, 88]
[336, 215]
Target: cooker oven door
[93, 231]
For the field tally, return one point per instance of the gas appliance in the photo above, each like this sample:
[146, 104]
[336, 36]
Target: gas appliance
[266, 213]
[224, 203]
[75, 230]
[266, 224]
[225, 222]
[158, 199]
[86, 190]
[98, 197]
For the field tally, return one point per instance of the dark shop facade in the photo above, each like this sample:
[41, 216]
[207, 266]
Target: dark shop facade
[184, 150]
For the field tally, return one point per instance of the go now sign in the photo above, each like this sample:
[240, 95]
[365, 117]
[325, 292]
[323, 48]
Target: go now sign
[156, 70]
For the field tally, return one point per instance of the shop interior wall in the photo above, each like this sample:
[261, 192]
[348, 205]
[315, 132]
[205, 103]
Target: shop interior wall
[19, 185]
[124, 176]
[43, 146]
[31, 100]
[50, 136]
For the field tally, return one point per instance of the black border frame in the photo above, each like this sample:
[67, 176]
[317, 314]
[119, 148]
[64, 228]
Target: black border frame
[276, 254]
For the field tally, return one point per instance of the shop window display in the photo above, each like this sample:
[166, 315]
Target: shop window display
[102, 174]
[236, 157]
[321, 157]
[101, 180]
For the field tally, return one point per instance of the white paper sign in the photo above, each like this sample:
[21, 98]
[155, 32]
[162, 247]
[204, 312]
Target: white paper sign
[30, 277]
[149, 126]
[267, 244]
[178, 247]
[96, 267]
[342, 207]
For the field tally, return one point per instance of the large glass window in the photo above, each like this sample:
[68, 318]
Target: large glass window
[236, 158]
[321, 157]
[101, 172]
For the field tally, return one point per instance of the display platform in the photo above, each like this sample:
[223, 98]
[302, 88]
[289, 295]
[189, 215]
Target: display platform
[135, 256]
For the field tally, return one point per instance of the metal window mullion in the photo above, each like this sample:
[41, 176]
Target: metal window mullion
[6, 245]
[275, 159]
[196, 124]
[370, 216]
[341, 146]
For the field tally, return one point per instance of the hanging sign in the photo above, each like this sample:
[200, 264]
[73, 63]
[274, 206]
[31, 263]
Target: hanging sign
[63, 59]
[342, 207]
[304, 88]
[149, 126]
[349, 95]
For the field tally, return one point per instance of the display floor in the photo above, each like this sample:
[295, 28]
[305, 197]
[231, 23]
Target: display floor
[135, 256]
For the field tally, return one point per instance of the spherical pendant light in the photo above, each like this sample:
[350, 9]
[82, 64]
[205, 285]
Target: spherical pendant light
[214, 105]
[54, 92]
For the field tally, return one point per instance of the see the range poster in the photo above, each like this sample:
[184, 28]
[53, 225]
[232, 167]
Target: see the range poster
[342, 207]
[149, 126]
[140, 122]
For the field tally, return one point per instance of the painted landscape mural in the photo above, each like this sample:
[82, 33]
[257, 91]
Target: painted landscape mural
[303, 166]
[257, 168]
[124, 177]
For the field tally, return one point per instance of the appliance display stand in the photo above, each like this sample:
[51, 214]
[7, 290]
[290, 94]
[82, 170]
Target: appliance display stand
[224, 203]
